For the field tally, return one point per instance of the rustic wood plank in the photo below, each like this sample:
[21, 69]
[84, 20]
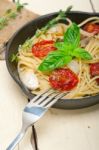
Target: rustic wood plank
[92, 5]
[12, 102]
[43, 6]
[25, 144]
[69, 129]
[11, 107]
[58, 129]
[72, 130]
[96, 5]
[24, 17]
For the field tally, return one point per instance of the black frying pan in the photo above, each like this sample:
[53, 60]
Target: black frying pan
[27, 31]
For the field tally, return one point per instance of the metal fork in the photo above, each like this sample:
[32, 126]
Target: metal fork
[34, 110]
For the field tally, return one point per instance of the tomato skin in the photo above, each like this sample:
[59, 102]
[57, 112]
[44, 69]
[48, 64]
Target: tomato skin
[94, 70]
[91, 27]
[41, 49]
[63, 79]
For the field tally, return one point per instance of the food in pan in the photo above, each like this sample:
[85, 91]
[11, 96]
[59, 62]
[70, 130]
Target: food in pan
[62, 55]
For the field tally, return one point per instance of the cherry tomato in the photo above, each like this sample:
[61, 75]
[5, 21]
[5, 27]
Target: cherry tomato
[63, 79]
[92, 27]
[94, 70]
[41, 49]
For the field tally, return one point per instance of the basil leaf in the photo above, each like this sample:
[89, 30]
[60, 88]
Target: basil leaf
[59, 45]
[54, 60]
[66, 50]
[81, 53]
[64, 47]
[72, 36]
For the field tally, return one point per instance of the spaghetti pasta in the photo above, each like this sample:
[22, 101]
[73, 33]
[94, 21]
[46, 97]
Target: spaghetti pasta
[87, 85]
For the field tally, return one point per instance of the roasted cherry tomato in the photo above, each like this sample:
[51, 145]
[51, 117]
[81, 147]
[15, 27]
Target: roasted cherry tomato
[41, 49]
[92, 27]
[63, 79]
[94, 70]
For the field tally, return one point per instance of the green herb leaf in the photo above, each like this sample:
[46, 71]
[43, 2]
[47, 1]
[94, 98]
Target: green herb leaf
[27, 45]
[60, 45]
[14, 58]
[12, 15]
[81, 53]
[64, 47]
[3, 22]
[66, 51]
[61, 16]
[19, 6]
[54, 60]
[72, 36]
[8, 11]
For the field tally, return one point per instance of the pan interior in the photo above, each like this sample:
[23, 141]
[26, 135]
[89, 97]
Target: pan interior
[28, 31]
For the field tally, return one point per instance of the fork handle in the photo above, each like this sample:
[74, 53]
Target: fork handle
[16, 141]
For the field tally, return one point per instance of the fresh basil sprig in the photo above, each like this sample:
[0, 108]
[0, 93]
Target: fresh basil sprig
[54, 60]
[66, 50]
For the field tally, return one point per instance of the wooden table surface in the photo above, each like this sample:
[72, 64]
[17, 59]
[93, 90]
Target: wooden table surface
[58, 129]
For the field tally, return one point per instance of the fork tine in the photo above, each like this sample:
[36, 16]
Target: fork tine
[54, 100]
[44, 96]
[37, 97]
[47, 100]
